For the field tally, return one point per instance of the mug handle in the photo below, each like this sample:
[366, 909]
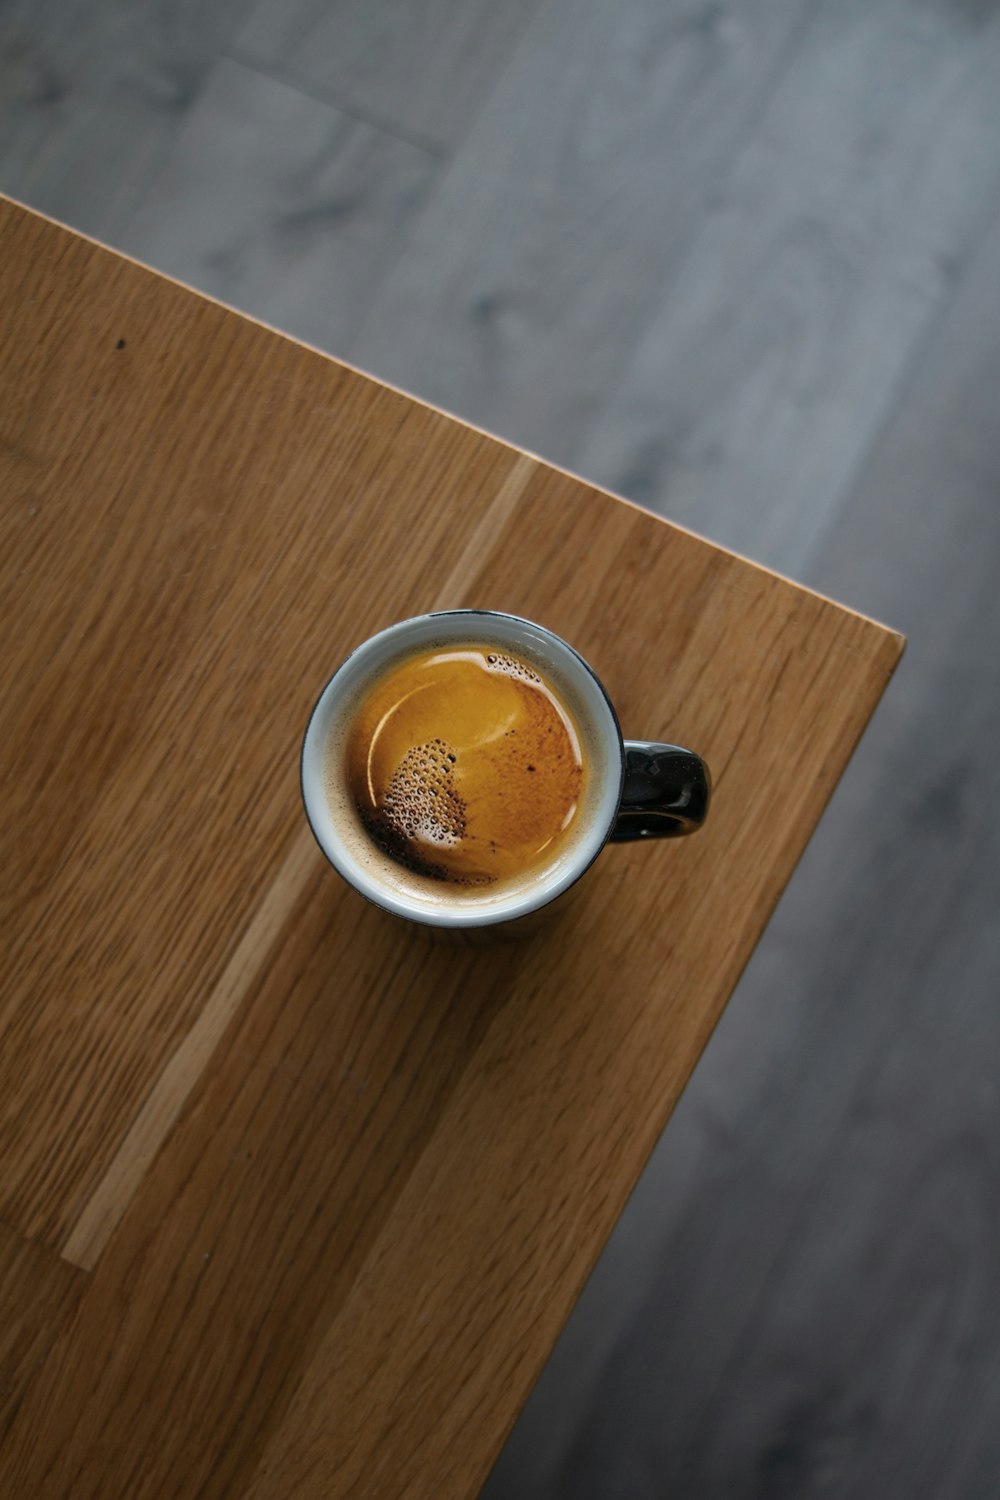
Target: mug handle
[666, 794]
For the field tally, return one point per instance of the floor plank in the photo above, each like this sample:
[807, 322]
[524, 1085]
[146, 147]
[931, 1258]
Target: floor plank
[38, 1292]
[280, 205]
[92, 94]
[774, 356]
[421, 67]
[801, 1298]
[572, 197]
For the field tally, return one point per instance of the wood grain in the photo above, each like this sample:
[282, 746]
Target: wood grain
[114, 822]
[168, 1096]
[165, 1102]
[38, 1291]
[338, 1186]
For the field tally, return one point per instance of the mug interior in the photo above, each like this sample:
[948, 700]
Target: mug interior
[338, 828]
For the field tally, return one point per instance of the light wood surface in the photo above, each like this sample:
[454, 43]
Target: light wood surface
[38, 1291]
[324, 1191]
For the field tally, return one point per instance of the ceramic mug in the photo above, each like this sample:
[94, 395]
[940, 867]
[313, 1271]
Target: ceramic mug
[635, 789]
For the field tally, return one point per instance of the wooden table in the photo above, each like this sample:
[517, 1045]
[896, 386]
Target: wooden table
[295, 1200]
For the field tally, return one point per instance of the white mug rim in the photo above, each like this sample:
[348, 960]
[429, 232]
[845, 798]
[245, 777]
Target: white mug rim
[523, 901]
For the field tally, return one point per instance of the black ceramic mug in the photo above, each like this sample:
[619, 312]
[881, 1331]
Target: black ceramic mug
[635, 789]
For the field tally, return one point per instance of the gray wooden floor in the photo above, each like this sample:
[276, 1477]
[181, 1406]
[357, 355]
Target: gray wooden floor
[742, 263]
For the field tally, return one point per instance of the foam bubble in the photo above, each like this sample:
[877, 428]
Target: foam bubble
[511, 667]
[420, 801]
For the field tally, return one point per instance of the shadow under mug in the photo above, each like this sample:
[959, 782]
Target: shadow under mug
[635, 789]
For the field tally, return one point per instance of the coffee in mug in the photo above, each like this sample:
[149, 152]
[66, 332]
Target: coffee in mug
[465, 768]
[464, 765]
